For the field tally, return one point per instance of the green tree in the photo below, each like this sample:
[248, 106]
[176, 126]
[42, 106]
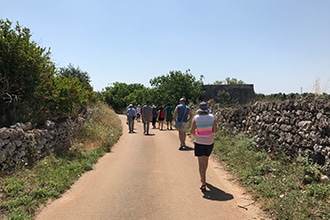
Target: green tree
[229, 81]
[74, 72]
[24, 67]
[174, 85]
[64, 97]
[119, 95]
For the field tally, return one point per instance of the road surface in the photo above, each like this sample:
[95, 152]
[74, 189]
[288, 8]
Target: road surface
[147, 177]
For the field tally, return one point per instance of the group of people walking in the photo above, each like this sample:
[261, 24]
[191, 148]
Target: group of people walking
[158, 115]
[202, 128]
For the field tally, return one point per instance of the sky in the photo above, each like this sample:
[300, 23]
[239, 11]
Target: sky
[279, 46]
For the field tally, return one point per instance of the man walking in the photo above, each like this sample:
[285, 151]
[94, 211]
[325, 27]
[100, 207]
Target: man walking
[131, 115]
[182, 115]
[146, 113]
[169, 116]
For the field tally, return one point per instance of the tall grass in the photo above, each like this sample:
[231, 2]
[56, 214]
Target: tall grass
[23, 192]
[277, 181]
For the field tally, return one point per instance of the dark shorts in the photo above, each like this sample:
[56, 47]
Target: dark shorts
[203, 150]
[169, 118]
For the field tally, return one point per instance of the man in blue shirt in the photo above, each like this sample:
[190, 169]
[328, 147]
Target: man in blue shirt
[182, 114]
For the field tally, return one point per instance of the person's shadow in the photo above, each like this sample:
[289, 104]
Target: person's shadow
[186, 148]
[216, 194]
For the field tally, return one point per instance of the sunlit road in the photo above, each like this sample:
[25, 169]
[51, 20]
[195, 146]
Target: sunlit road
[147, 177]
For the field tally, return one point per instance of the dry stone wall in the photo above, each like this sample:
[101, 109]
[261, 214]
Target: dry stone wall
[296, 127]
[20, 145]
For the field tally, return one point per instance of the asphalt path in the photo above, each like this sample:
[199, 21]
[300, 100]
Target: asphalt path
[147, 177]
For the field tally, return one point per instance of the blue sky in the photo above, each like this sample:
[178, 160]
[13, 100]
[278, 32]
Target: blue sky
[277, 45]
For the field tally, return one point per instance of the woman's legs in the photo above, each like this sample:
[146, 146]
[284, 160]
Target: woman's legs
[202, 164]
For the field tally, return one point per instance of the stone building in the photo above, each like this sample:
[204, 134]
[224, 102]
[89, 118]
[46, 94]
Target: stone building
[242, 93]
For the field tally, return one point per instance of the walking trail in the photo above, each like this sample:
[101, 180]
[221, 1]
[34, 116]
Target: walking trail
[147, 177]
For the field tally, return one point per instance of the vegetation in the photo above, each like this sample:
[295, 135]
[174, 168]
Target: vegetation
[165, 89]
[277, 181]
[25, 190]
[31, 88]
[291, 96]
[173, 86]
[229, 81]
[119, 95]
[24, 67]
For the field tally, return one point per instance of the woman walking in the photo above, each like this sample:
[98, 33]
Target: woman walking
[203, 126]
[161, 117]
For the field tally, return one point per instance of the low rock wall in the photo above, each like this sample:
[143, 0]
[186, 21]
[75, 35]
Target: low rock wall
[296, 127]
[20, 145]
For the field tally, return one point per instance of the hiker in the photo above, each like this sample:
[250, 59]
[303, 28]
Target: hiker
[202, 128]
[182, 114]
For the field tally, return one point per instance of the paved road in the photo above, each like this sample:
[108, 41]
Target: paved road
[147, 177]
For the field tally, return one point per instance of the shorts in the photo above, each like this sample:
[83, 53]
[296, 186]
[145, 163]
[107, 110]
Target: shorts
[203, 150]
[183, 126]
[169, 118]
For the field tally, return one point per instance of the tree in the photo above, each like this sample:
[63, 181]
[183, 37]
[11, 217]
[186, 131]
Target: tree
[119, 95]
[174, 85]
[24, 67]
[229, 81]
[29, 88]
[70, 71]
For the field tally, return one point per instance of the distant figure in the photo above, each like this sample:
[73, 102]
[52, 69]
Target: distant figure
[182, 115]
[154, 116]
[203, 126]
[131, 114]
[168, 116]
[161, 117]
[146, 113]
[138, 113]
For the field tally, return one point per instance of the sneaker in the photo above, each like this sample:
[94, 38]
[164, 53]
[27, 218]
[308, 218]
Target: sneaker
[181, 146]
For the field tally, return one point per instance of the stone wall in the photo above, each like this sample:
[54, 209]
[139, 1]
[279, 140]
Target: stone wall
[241, 93]
[296, 127]
[20, 145]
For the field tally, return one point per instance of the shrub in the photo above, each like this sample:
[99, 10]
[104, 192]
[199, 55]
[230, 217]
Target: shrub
[24, 66]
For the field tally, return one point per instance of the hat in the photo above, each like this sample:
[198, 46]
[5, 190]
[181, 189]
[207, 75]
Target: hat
[182, 100]
[130, 105]
[203, 107]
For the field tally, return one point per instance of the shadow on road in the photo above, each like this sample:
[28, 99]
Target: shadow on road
[149, 134]
[186, 148]
[216, 194]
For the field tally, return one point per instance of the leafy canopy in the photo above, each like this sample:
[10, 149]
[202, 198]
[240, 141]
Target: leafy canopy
[171, 87]
[119, 95]
[30, 89]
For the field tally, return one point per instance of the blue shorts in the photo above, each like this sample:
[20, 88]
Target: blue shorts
[202, 149]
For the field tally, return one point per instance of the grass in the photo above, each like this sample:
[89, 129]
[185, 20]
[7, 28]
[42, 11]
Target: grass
[279, 183]
[287, 188]
[22, 193]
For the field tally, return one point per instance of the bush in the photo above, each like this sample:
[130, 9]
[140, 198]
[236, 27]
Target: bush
[30, 88]
[24, 67]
